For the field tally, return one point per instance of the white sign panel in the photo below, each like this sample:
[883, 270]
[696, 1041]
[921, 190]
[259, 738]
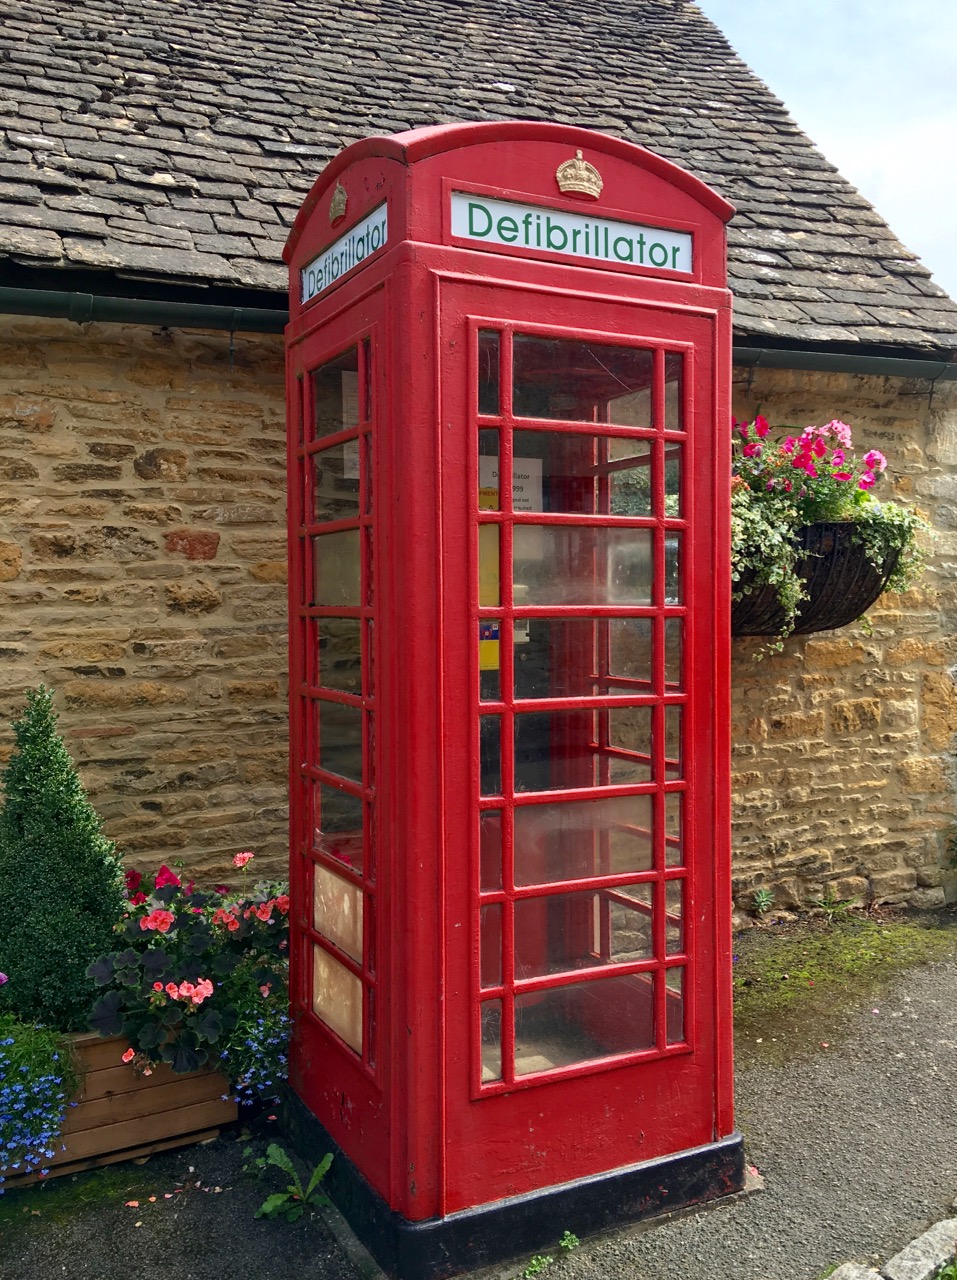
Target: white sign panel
[360, 242]
[574, 235]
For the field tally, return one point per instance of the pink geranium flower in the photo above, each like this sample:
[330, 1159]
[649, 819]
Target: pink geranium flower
[241, 859]
[875, 460]
[866, 481]
[164, 877]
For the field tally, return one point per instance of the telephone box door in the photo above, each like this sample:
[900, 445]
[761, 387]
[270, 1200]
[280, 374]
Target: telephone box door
[579, 489]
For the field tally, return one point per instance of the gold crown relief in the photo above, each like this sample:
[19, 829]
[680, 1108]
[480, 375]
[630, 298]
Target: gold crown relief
[337, 206]
[579, 178]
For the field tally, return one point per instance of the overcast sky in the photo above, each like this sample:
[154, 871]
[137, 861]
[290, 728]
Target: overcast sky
[874, 84]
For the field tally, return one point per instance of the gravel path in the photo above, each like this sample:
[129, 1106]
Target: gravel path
[857, 1146]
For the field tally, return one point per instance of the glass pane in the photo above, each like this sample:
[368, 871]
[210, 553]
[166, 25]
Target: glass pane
[674, 394]
[581, 381]
[674, 854]
[673, 594]
[674, 992]
[629, 729]
[490, 848]
[490, 630]
[582, 930]
[491, 1040]
[488, 565]
[584, 1021]
[673, 480]
[490, 755]
[367, 405]
[581, 474]
[335, 473]
[340, 658]
[492, 945]
[488, 477]
[674, 916]
[555, 750]
[576, 839]
[336, 573]
[337, 910]
[673, 635]
[335, 390]
[673, 748]
[555, 657]
[567, 564]
[488, 371]
[630, 648]
[339, 826]
[339, 735]
[367, 474]
[337, 998]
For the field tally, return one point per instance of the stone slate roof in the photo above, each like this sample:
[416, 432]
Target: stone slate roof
[173, 140]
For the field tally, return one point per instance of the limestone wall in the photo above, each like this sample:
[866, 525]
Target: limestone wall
[142, 562]
[142, 568]
[842, 779]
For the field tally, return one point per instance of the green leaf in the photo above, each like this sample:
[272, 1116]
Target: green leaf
[320, 1171]
[278, 1157]
[272, 1205]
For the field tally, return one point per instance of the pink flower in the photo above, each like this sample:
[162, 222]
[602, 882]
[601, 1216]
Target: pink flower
[172, 989]
[164, 877]
[132, 880]
[3, 979]
[264, 989]
[843, 475]
[875, 460]
[866, 481]
[241, 859]
[811, 470]
[840, 430]
[819, 448]
[129, 1055]
[752, 449]
[788, 445]
[761, 427]
[157, 986]
[837, 457]
[282, 903]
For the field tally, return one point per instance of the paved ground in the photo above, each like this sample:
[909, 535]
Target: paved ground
[857, 1145]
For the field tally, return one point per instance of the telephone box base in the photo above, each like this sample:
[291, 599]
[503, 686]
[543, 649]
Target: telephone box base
[508, 1229]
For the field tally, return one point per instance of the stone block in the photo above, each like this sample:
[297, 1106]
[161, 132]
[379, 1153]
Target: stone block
[194, 544]
[889, 885]
[911, 649]
[11, 561]
[192, 597]
[797, 724]
[855, 1271]
[923, 775]
[939, 708]
[832, 654]
[853, 715]
[269, 571]
[924, 1257]
[162, 464]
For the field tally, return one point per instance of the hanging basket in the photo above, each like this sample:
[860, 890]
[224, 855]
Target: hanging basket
[841, 582]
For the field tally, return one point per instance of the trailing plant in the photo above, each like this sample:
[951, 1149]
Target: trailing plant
[61, 886]
[37, 1078]
[200, 975]
[293, 1202]
[781, 484]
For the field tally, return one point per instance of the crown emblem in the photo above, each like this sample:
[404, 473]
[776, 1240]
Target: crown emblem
[579, 178]
[337, 206]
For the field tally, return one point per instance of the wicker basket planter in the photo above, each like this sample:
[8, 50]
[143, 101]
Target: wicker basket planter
[121, 1115]
[842, 584]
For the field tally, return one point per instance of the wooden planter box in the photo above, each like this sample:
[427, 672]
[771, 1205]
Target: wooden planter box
[121, 1115]
[842, 585]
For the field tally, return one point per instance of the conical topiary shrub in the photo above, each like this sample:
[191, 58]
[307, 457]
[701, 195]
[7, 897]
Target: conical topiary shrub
[61, 882]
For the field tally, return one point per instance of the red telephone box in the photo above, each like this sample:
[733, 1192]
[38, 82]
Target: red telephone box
[508, 391]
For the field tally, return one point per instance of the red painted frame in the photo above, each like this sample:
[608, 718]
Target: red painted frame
[416, 1119]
